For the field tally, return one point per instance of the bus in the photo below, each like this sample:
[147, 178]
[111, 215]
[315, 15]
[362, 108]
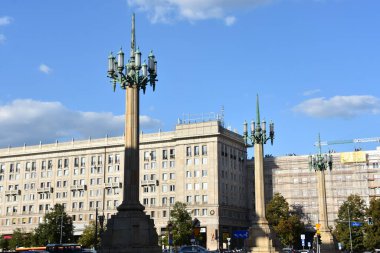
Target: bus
[64, 248]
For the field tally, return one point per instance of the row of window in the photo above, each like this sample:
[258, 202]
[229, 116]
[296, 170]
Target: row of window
[165, 213]
[61, 163]
[153, 165]
[152, 155]
[196, 150]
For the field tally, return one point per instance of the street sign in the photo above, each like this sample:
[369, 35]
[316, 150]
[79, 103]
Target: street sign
[302, 236]
[240, 234]
[356, 224]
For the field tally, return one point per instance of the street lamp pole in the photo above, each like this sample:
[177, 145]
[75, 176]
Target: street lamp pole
[131, 219]
[321, 162]
[132, 77]
[259, 232]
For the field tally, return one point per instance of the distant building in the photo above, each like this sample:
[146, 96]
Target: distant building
[355, 172]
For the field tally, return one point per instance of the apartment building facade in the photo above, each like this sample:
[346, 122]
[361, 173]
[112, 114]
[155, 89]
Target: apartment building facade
[355, 172]
[201, 164]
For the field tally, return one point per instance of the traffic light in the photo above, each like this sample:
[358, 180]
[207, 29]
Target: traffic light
[370, 221]
[319, 240]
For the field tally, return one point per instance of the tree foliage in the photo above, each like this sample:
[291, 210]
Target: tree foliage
[4, 244]
[353, 209]
[288, 226]
[372, 231]
[181, 224]
[49, 231]
[277, 209]
[20, 239]
[87, 238]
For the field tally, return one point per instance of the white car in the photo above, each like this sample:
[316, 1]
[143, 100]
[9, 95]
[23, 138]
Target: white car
[192, 249]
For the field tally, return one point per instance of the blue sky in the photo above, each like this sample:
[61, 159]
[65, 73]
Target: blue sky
[314, 63]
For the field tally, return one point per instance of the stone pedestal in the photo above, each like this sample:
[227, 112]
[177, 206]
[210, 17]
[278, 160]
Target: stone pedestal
[259, 238]
[327, 239]
[130, 231]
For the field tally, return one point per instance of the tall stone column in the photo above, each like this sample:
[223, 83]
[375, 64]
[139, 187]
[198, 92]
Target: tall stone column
[259, 240]
[130, 230]
[326, 236]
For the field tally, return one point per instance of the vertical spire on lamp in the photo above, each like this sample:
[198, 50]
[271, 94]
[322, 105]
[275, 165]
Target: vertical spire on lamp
[133, 36]
[257, 110]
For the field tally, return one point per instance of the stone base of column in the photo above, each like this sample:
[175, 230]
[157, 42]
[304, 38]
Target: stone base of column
[130, 231]
[259, 239]
[327, 242]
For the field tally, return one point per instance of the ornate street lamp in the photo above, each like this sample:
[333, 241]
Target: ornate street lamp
[132, 77]
[130, 229]
[259, 231]
[321, 162]
[133, 74]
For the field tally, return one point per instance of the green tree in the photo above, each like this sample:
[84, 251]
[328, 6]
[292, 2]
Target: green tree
[352, 209]
[55, 221]
[277, 209]
[287, 225]
[87, 238]
[20, 239]
[289, 230]
[372, 231]
[4, 243]
[181, 224]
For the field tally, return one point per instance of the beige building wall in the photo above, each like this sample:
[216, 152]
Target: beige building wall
[291, 176]
[201, 164]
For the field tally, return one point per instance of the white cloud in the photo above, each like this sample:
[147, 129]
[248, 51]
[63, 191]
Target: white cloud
[5, 20]
[2, 38]
[230, 20]
[44, 69]
[339, 106]
[311, 92]
[192, 10]
[29, 121]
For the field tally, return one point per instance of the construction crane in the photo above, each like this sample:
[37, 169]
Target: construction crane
[361, 140]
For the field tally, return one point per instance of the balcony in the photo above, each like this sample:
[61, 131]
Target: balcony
[45, 189]
[13, 192]
[148, 182]
[113, 185]
[78, 187]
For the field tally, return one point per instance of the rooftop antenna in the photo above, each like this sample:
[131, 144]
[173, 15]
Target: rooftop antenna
[222, 116]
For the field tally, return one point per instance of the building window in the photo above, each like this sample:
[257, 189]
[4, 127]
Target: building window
[153, 155]
[164, 154]
[146, 156]
[196, 150]
[204, 150]
[172, 153]
[172, 188]
[188, 151]
[189, 187]
[189, 199]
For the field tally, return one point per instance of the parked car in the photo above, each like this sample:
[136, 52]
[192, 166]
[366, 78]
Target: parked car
[192, 249]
